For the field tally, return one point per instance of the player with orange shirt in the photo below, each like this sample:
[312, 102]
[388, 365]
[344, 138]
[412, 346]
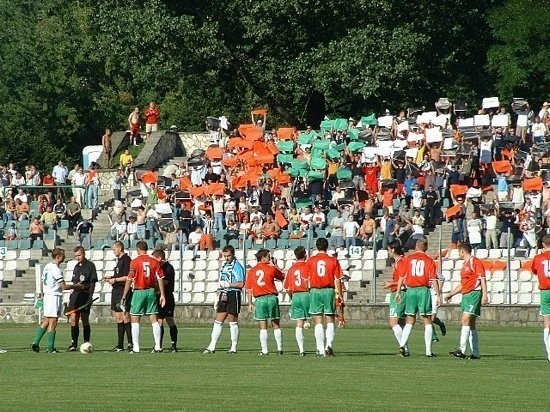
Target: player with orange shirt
[397, 310]
[541, 268]
[297, 285]
[260, 284]
[421, 271]
[143, 278]
[473, 287]
[325, 276]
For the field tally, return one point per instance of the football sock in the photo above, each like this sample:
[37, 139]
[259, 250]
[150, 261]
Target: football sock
[234, 331]
[174, 335]
[121, 331]
[300, 339]
[546, 338]
[51, 340]
[464, 337]
[263, 340]
[87, 332]
[216, 333]
[407, 329]
[320, 338]
[278, 334]
[39, 335]
[437, 322]
[161, 334]
[156, 335]
[474, 342]
[329, 333]
[128, 327]
[74, 335]
[434, 333]
[428, 335]
[135, 337]
[398, 332]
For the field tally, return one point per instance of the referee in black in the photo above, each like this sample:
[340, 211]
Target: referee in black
[84, 273]
[166, 312]
[117, 281]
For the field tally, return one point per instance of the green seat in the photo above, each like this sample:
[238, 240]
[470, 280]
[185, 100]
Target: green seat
[286, 146]
[305, 139]
[356, 147]
[369, 120]
[285, 158]
[299, 164]
[300, 203]
[343, 174]
[315, 175]
[318, 163]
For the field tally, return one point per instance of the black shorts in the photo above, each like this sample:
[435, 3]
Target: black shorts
[167, 311]
[116, 297]
[229, 302]
[78, 299]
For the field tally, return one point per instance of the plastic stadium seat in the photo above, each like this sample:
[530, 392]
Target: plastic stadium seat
[68, 275]
[38, 244]
[200, 275]
[250, 255]
[525, 287]
[279, 254]
[289, 255]
[288, 263]
[505, 252]
[498, 287]
[515, 265]
[98, 287]
[535, 298]
[211, 287]
[270, 244]
[446, 287]
[382, 254]
[133, 254]
[109, 265]
[387, 298]
[11, 254]
[24, 254]
[212, 276]
[344, 263]
[514, 287]
[280, 263]
[97, 255]
[198, 298]
[98, 264]
[495, 253]
[282, 243]
[524, 298]
[199, 287]
[107, 287]
[459, 264]
[455, 276]
[453, 254]
[368, 264]
[71, 264]
[456, 299]
[213, 265]
[211, 298]
[498, 275]
[187, 265]
[532, 253]
[446, 275]
[12, 245]
[356, 275]
[368, 254]
[24, 224]
[447, 265]
[294, 243]
[215, 254]
[63, 224]
[200, 265]
[186, 286]
[252, 262]
[187, 255]
[513, 275]
[24, 244]
[186, 298]
[482, 253]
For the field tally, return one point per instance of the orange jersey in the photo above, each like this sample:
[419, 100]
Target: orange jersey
[541, 268]
[470, 275]
[297, 278]
[144, 271]
[261, 279]
[399, 271]
[323, 271]
[420, 270]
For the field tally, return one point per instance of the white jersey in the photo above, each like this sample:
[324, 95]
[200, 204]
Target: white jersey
[51, 280]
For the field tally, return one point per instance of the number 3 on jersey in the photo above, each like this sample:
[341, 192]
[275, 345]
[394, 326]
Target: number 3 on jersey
[417, 267]
[321, 268]
[260, 278]
[298, 278]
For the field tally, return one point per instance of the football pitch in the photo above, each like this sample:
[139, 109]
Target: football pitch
[364, 375]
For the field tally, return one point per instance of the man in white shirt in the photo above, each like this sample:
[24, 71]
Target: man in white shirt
[538, 129]
[22, 196]
[417, 197]
[217, 206]
[337, 196]
[351, 228]
[78, 189]
[256, 214]
[306, 217]
[60, 173]
[194, 241]
[131, 229]
[491, 230]
[319, 219]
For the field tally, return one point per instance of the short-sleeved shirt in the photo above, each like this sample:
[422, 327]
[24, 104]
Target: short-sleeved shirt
[261, 279]
[399, 270]
[297, 278]
[541, 268]
[144, 271]
[420, 270]
[323, 271]
[169, 277]
[86, 273]
[121, 269]
[470, 275]
[232, 272]
[52, 277]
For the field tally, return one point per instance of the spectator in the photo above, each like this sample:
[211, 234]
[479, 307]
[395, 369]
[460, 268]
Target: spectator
[22, 210]
[217, 206]
[131, 230]
[474, 227]
[60, 209]
[337, 231]
[390, 231]
[60, 174]
[133, 123]
[306, 218]
[118, 181]
[431, 203]
[417, 197]
[351, 230]
[107, 148]
[318, 219]
[232, 232]
[152, 116]
[408, 187]
[84, 231]
[418, 219]
[126, 162]
[507, 218]
[337, 196]
[36, 231]
[48, 219]
[491, 230]
[194, 240]
[502, 188]
[270, 229]
[78, 182]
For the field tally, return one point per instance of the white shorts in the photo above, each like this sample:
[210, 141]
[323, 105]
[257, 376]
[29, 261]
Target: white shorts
[151, 128]
[52, 306]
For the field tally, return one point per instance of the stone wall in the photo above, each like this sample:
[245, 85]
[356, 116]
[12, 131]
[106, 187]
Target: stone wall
[192, 141]
[159, 148]
[497, 315]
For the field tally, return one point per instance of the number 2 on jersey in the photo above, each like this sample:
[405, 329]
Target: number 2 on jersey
[417, 267]
[260, 278]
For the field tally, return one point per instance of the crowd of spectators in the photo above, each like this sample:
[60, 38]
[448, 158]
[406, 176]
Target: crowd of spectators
[357, 181]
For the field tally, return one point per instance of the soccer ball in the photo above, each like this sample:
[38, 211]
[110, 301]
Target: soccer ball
[86, 347]
[307, 325]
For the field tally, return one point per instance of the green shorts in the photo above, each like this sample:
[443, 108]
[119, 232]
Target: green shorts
[322, 302]
[397, 310]
[471, 303]
[267, 307]
[545, 302]
[300, 306]
[419, 301]
[144, 302]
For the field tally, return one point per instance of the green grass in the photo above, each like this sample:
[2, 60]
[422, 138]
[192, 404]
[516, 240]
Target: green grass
[364, 375]
[134, 151]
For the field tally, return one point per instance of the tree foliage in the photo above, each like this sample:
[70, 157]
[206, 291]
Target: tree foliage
[72, 68]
